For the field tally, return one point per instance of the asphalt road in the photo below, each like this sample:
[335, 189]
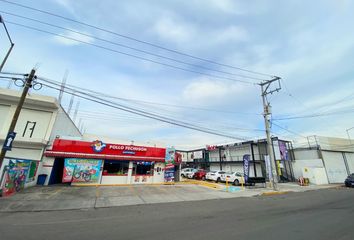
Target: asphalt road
[322, 214]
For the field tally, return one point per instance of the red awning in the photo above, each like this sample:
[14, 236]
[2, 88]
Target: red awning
[102, 156]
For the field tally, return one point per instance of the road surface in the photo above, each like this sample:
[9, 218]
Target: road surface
[322, 214]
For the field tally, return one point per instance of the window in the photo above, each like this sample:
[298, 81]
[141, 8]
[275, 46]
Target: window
[143, 168]
[115, 167]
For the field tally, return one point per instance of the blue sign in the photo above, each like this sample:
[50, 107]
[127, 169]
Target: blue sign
[8, 141]
[246, 166]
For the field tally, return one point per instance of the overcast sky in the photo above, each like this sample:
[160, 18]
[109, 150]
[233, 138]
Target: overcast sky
[309, 44]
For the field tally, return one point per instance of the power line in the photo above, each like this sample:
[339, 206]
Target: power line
[139, 112]
[133, 39]
[128, 54]
[349, 111]
[131, 48]
[288, 130]
[109, 96]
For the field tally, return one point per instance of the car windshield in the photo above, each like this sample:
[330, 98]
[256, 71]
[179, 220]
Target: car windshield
[212, 172]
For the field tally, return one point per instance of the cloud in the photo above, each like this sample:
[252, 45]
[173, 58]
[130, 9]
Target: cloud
[227, 6]
[205, 91]
[173, 30]
[231, 33]
[72, 35]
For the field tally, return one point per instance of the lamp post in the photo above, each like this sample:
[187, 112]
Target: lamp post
[12, 44]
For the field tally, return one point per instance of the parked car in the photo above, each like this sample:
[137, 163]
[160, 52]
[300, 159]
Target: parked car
[200, 174]
[214, 175]
[232, 177]
[349, 181]
[191, 173]
[185, 171]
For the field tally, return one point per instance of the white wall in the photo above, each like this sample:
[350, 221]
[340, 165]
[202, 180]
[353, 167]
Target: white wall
[64, 126]
[350, 161]
[305, 154]
[335, 166]
[298, 165]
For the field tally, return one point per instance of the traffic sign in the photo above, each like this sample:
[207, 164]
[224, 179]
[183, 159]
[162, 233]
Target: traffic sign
[8, 141]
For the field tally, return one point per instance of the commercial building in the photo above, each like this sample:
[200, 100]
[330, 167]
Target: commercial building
[324, 160]
[41, 120]
[229, 157]
[97, 162]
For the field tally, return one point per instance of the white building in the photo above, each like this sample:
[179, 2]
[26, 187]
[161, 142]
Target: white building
[41, 120]
[230, 158]
[324, 160]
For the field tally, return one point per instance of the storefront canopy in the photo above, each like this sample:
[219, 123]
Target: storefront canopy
[99, 150]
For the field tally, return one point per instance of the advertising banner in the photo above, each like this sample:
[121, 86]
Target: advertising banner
[15, 176]
[283, 151]
[82, 170]
[246, 166]
[169, 165]
[268, 166]
[169, 174]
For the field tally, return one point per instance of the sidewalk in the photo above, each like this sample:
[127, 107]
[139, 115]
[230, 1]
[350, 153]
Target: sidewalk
[55, 198]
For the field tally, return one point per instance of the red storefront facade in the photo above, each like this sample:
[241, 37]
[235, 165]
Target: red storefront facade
[81, 162]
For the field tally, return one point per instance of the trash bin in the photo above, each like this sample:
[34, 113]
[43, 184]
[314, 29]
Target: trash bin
[41, 179]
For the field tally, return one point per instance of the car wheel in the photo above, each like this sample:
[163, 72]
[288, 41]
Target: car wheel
[236, 182]
[218, 180]
[182, 175]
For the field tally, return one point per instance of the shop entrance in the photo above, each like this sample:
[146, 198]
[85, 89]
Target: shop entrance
[57, 172]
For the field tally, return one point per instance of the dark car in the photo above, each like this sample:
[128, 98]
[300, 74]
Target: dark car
[349, 182]
[200, 174]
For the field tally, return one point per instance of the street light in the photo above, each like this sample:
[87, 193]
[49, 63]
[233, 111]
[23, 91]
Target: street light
[12, 44]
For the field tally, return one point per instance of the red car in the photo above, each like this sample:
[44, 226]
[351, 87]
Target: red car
[200, 174]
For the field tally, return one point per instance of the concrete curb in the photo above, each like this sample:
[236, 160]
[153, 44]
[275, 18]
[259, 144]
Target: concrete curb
[275, 193]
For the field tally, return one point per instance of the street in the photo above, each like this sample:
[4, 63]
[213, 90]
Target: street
[321, 214]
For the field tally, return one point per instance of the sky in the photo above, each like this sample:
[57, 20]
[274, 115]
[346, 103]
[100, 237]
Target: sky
[309, 44]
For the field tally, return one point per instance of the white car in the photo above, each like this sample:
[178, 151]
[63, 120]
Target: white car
[232, 177]
[214, 175]
[191, 173]
[186, 171]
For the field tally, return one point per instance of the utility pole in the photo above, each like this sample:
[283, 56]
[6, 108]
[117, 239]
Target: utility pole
[12, 44]
[266, 114]
[27, 86]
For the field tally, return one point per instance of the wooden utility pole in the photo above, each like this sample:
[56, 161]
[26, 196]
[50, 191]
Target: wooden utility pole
[27, 86]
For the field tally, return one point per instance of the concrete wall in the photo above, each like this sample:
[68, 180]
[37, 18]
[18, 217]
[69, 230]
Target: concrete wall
[299, 164]
[64, 126]
[335, 166]
[350, 160]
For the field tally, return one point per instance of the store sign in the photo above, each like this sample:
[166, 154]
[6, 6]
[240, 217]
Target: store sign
[81, 149]
[98, 146]
[127, 148]
[82, 170]
[246, 166]
[211, 147]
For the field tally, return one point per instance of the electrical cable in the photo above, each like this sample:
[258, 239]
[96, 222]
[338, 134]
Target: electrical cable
[128, 54]
[141, 113]
[131, 48]
[132, 38]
